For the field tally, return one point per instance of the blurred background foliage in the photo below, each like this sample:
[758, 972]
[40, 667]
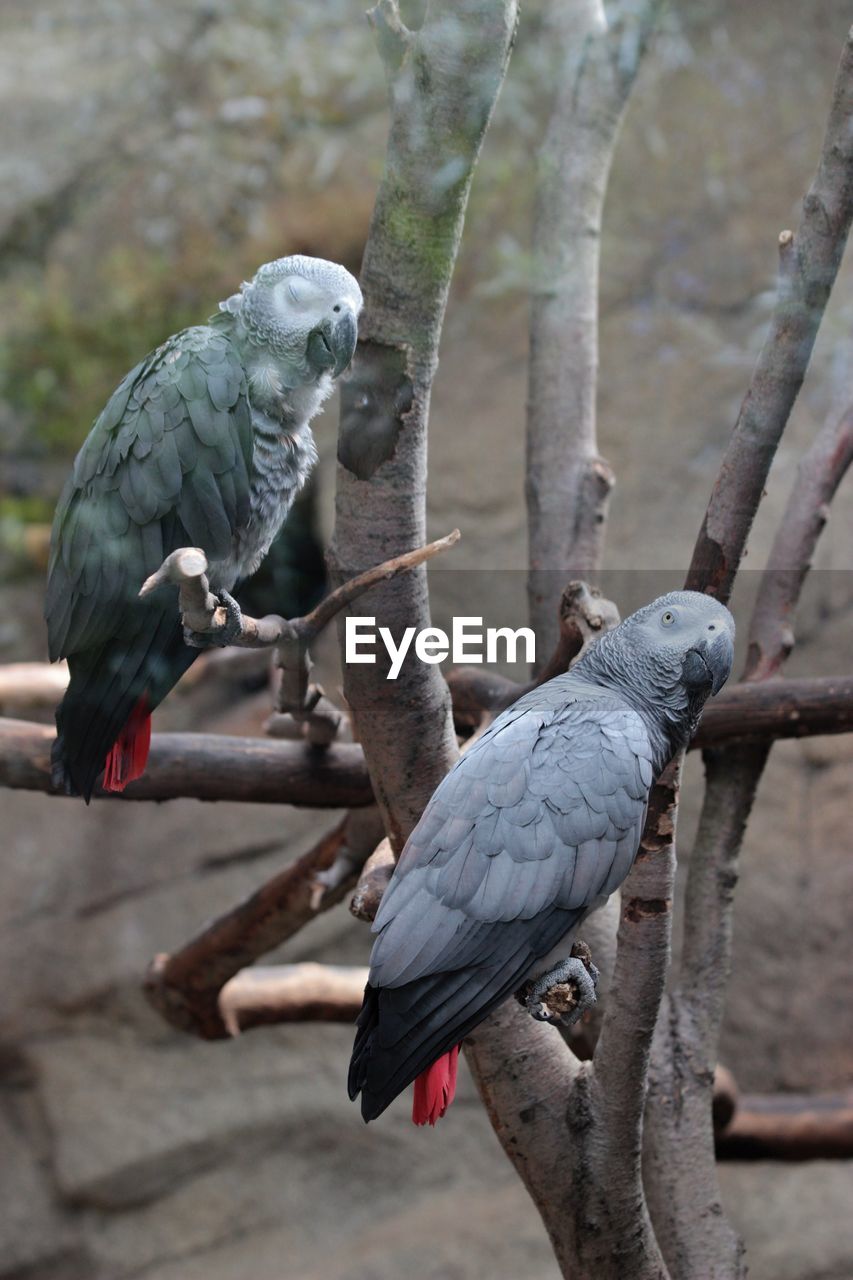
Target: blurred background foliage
[152, 154]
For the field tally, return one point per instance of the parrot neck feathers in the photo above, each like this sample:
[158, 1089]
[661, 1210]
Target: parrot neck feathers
[648, 683]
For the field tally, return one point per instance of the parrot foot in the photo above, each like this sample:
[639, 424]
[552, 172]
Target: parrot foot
[563, 994]
[218, 637]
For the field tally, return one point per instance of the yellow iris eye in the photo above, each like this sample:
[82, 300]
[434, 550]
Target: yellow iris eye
[668, 618]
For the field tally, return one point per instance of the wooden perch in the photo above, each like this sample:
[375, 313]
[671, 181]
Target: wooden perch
[789, 1126]
[185, 987]
[776, 1126]
[206, 766]
[203, 614]
[791, 708]
[28, 686]
[271, 994]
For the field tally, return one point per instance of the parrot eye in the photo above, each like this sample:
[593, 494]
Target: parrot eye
[299, 291]
[668, 618]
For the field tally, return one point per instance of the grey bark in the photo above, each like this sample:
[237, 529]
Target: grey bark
[680, 1157]
[690, 1230]
[809, 262]
[568, 483]
[443, 81]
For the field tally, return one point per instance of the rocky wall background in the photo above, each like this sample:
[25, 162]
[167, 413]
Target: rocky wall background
[152, 155]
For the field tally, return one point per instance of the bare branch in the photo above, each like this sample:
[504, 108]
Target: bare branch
[793, 708]
[26, 686]
[789, 1126]
[186, 568]
[751, 712]
[443, 92]
[202, 612]
[205, 766]
[681, 1173]
[568, 483]
[268, 995]
[819, 474]
[393, 38]
[215, 767]
[185, 986]
[809, 261]
[373, 882]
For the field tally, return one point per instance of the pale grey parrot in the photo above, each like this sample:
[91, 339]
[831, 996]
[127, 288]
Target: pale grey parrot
[530, 831]
[205, 443]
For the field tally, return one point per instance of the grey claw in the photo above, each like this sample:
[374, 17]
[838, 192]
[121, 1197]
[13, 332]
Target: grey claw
[233, 628]
[230, 631]
[583, 977]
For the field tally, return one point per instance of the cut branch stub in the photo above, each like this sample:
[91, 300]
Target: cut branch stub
[186, 568]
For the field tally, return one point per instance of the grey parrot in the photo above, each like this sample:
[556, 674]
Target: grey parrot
[534, 827]
[205, 443]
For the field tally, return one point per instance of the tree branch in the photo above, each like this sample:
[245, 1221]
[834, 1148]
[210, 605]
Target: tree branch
[792, 1126]
[444, 80]
[204, 766]
[809, 262]
[681, 1172]
[272, 994]
[215, 767]
[568, 483]
[27, 686]
[202, 613]
[185, 987]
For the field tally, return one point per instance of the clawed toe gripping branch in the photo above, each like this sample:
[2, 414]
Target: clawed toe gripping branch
[211, 622]
[564, 994]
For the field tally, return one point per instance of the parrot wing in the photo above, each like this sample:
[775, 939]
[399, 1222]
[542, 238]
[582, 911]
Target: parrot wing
[536, 823]
[165, 465]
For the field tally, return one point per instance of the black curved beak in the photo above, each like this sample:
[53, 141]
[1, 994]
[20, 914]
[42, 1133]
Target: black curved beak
[332, 345]
[342, 339]
[708, 665]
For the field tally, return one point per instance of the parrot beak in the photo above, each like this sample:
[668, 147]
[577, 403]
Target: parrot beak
[709, 664]
[332, 345]
[342, 339]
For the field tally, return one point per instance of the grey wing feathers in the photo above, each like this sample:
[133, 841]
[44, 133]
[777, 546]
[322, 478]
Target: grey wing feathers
[541, 817]
[166, 463]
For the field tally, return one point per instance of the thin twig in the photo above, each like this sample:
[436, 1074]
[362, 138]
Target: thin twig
[202, 612]
[809, 262]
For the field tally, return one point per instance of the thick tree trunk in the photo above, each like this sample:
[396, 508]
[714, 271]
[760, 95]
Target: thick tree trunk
[444, 80]
[568, 484]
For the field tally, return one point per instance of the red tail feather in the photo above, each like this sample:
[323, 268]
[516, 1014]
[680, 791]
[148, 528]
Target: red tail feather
[435, 1088]
[129, 753]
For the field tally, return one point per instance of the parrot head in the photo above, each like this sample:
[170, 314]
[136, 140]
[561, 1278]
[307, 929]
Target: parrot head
[667, 659]
[693, 634]
[303, 312]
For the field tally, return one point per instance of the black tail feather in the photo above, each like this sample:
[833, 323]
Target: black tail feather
[148, 657]
[403, 1030]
